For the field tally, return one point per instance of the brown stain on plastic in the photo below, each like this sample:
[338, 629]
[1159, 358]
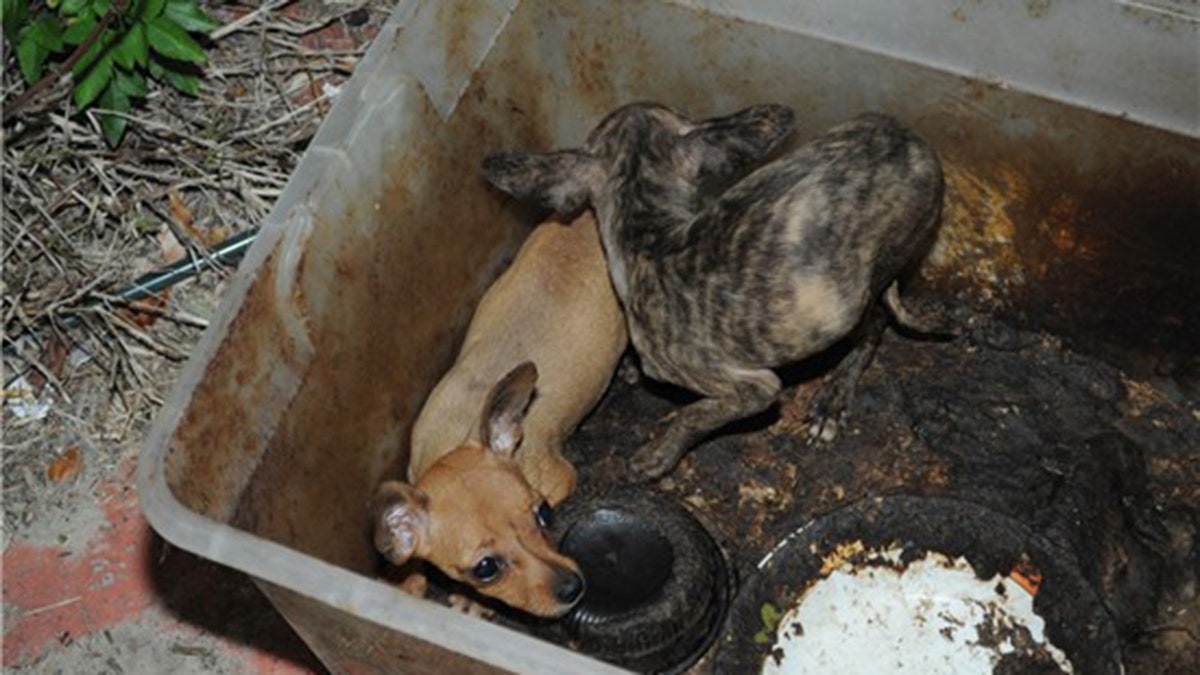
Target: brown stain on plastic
[975, 243]
[589, 55]
[1088, 228]
[1181, 17]
[224, 425]
[1037, 9]
[456, 18]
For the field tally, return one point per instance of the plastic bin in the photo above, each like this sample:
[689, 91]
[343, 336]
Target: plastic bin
[1068, 129]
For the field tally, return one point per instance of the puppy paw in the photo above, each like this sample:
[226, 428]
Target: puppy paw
[654, 460]
[628, 370]
[415, 584]
[470, 607]
[829, 406]
[823, 430]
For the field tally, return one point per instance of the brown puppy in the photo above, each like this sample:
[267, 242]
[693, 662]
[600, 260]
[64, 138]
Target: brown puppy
[480, 491]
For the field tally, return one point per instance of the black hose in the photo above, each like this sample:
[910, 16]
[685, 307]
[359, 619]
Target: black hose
[229, 251]
[149, 284]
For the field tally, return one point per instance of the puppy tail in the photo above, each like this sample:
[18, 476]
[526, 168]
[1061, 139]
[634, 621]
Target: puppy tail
[923, 326]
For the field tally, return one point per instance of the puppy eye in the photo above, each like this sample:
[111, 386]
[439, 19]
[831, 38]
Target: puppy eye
[486, 569]
[544, 516]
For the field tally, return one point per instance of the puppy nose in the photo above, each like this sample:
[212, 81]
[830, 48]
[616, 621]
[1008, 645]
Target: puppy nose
[570, 587]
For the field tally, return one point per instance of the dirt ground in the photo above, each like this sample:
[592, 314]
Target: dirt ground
[88, 587]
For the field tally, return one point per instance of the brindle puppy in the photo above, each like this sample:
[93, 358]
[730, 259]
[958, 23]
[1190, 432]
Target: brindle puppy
[784, 264]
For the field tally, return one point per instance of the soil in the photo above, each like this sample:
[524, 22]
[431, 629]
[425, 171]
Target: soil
[1101, 464]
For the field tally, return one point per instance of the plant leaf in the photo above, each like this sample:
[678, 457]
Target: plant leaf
[770, 615]
[15, 17]
[31, 56]
[190, 17]
[98, 49]
[131, 49]
[114, 128]
[113, 125]
[132, 84]
[66, 466]
[93, 82]
[185, 82]
[168, 39]
[101, 7]
[73, 7]
[47, 33]
[151, 9]
[79, 29]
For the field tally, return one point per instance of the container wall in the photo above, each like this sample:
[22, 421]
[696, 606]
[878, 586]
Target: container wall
[1130, 58]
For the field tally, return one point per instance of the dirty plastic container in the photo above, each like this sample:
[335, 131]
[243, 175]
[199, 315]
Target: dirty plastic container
[1068, 129]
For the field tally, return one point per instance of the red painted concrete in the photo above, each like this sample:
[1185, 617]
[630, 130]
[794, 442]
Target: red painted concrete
[57, 592]
[53, 595]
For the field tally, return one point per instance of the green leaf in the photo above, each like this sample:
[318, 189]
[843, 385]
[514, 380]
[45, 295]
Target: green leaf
[15, 16]
[93, 82]
[47, 33]
[113, 125]
[79, 29]
[185, 82]
[101, 6]
[73, 7]
[130, 83]
[168, 39]
[131, 49]
[151, 9]
[762, 637]
[99, 48]
[770, 615]
[190, 17]
[31, 56]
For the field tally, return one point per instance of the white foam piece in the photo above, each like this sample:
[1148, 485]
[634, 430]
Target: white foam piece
[927, 618]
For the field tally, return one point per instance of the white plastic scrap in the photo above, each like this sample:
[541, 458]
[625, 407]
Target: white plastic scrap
[19, 394]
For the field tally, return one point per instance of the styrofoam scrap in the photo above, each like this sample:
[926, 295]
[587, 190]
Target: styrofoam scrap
[19, 392]
[18, 396]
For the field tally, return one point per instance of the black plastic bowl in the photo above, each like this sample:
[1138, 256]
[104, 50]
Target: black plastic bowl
[658, 584]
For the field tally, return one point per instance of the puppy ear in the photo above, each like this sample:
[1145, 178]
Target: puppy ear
[724, 147]
[504, 411]
[561, 181]
[401, 515]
